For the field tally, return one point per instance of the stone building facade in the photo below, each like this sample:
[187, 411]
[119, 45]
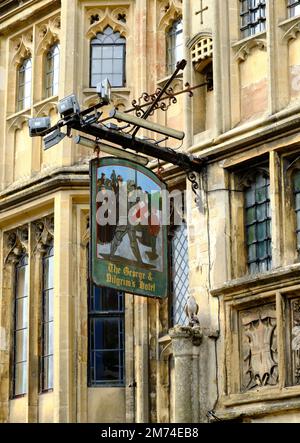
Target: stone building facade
[238, 253]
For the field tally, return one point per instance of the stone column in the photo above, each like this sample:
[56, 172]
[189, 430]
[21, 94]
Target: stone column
[64, 361]
[183, 340]
[69, 67]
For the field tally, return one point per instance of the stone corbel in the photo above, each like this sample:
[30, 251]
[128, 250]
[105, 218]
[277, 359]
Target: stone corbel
[16, 244]
[45, 110]
[18, 122]
[171, 10]
[99, 19]
[291, 33]
[248, 47]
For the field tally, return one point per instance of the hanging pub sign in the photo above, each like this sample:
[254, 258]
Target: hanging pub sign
[128, 236]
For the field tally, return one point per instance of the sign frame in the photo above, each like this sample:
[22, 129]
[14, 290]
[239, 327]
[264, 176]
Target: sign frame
[127, 277]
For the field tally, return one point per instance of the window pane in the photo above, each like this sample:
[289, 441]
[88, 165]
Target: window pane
[107, 66]
[106, 333]
[96, 52]
[107, 365]
[21, 345]
[107, 52]
[21, 313]
[180, 273]
[48, 272]
[117, 66]
[20, 385]
[48, 372]
[258, 224]
[116, 80]
[106, 299]
[118, 52]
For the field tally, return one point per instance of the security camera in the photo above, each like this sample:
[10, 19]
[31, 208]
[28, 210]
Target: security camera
[104, 90]
[38, 125]
[68, 105]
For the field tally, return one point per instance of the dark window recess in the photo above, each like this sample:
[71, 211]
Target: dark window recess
[47, 322]
[258, 225]
[253, 17]
[52, 71]
[108, 53]
[24, 85]
[20, 372]
[293, 8]
[106, 336]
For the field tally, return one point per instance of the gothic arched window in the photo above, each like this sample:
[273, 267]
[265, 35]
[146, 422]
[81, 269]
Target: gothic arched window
[20, 327]
[174, 45]
[108, 51]
[24, 85]
[258, 224]
[47, 321]
[52, 71]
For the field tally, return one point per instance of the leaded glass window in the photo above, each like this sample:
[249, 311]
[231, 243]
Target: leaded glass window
[20, 328]
[106, 336]
[174, 46]
[293, 7]
[180, 273]
[253, 17]
[258, 224]
[47, 321]
[108, 58]
[52, 71]
[24, 85]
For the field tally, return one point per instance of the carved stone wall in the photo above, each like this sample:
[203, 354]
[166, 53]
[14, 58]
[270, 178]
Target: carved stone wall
[259, 365]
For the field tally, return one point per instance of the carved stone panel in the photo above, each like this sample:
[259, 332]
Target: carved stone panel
[258, 347]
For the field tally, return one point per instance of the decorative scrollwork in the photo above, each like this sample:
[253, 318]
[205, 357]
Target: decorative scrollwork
[192, 177]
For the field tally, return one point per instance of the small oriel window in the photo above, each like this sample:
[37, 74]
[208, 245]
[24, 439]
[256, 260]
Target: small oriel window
[174, 46]
[108, 52]
[52, 71]
[253, 17]
[258, 224]
[24, 85]
[47, 321]
[20, 328]
[293, 7]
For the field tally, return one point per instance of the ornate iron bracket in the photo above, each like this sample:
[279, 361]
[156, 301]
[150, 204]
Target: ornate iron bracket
[192, 177]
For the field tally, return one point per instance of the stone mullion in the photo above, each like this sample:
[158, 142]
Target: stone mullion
[275, 204]
[34, 304]
[187, 73]
[277, 57]
[129, 359]
[64, 361]
[141, 359]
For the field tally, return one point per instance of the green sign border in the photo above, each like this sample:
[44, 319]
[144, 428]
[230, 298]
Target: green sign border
[99, 267]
